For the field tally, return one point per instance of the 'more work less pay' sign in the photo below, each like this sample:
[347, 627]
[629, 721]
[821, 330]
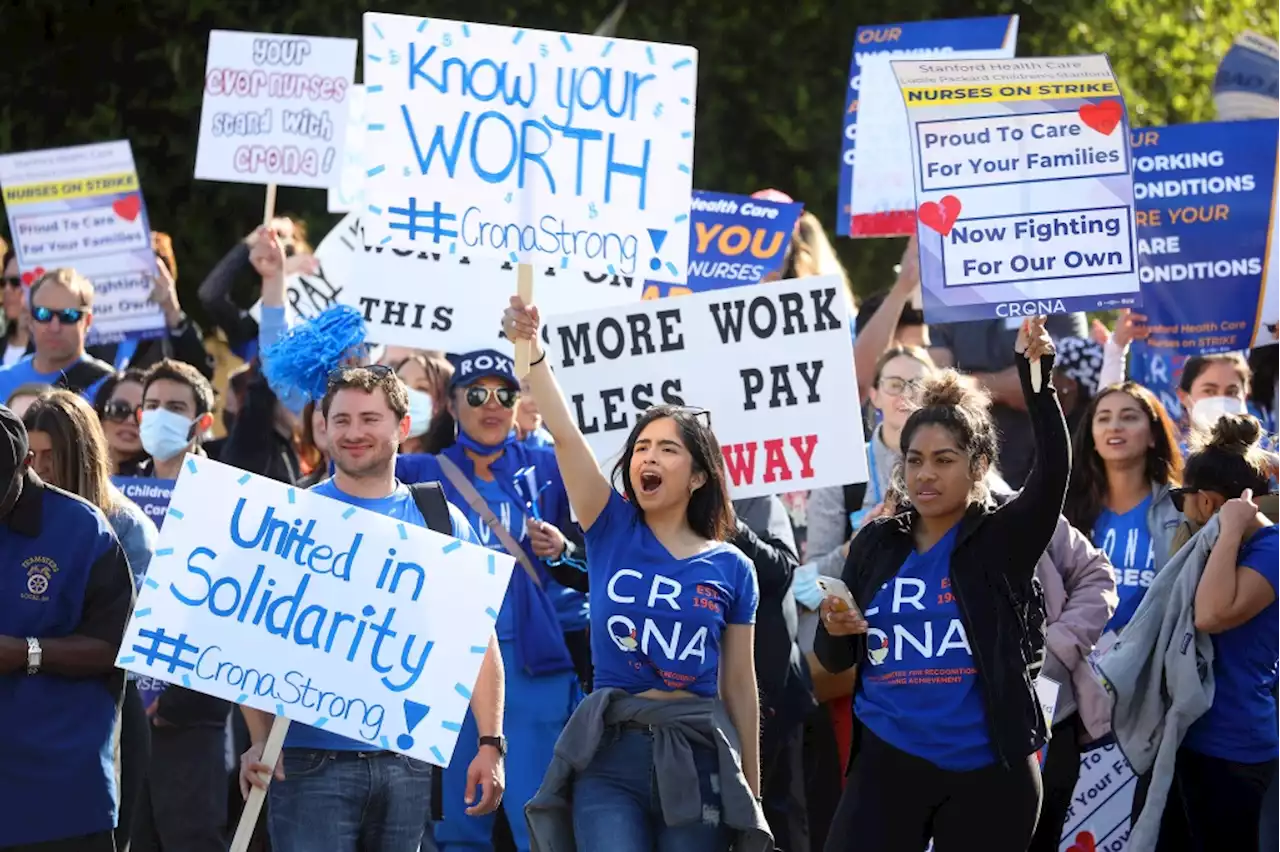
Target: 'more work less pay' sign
[1022, 171]
[537, 147]
[309, 608]
[772, 364]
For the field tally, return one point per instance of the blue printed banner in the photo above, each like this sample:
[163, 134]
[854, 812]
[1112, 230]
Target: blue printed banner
[305, 607]
[1247, 84]
[150, 495]
[1204, 206]
[733, 240]
[536, 147]
[880, 135]
[82, 207]
[1022, 171]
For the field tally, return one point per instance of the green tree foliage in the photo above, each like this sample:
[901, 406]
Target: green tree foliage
[770, 90]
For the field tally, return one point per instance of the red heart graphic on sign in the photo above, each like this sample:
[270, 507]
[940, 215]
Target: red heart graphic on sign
[128, 207]
[1084, 843]
[1102, 117]
[940, 216]
[29, 278]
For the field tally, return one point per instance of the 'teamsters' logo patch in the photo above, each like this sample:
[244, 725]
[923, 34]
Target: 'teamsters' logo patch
[40, 571]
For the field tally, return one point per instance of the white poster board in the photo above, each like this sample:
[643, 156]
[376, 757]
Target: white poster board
[772, 364]
[306, 607]
[348, 193]
[275, 109]
[531, 146]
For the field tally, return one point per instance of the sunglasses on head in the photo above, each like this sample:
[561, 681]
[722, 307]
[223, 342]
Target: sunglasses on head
[478, 396]
[66, 316]
[342, 374]
[702, 415]
[119, 410]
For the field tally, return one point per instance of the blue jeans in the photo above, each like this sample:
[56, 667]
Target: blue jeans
[373, 801]
[616, 806]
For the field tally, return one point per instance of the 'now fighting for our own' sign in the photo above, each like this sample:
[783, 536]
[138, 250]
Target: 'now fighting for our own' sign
[772, 363]
[306, 607]
[532, 146]
[1023, 181]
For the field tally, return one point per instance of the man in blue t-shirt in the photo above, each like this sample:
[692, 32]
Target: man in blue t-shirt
[61, 313]
[337, 793]
[65, 596]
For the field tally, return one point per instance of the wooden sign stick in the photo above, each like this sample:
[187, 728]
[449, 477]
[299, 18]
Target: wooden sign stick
[524, 289]
[269, 206]
[270, 755]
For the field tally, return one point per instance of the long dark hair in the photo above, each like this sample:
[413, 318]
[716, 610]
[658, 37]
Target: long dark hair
[710, 512]
[1087, 492]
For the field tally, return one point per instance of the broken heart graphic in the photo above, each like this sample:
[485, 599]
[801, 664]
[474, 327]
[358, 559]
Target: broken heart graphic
[1102, 117]
[941, 215]
[1084, 843]
[128, 207]
[29, 278]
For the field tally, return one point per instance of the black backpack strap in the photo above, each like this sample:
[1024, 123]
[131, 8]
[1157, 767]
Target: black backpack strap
[84, 374]
[434, 508]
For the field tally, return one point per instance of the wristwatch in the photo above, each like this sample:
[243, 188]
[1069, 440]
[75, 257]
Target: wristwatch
[34, 655]
[500, 743]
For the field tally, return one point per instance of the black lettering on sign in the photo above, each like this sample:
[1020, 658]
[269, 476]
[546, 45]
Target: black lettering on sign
[764, 315]
[414, 315]
[610, 338]
[782, 390]
[609, 402]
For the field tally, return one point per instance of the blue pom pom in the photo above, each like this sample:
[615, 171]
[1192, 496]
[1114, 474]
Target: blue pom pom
[303, 359]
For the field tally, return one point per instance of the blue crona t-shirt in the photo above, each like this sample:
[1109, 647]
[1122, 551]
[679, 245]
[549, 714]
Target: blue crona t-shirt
[1240, 726]
[656, 621]
[920, 691]
[1126, 540]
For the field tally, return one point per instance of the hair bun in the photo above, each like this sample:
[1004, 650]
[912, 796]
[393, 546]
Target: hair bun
[949, 388]
[1236, 433]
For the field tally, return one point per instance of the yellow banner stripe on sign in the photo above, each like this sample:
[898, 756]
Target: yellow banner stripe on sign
[58, 190]
[986, 93]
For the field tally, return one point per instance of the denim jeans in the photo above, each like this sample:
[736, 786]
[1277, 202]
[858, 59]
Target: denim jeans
[373, 801]
[616, 806]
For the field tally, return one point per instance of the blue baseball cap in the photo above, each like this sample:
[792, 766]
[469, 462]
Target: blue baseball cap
[471, 367]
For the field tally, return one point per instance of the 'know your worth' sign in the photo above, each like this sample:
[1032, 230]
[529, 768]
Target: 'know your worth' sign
[305, 607]
[537, 147]
[772, 363]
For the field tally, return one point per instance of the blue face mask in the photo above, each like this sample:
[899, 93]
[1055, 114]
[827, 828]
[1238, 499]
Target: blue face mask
[164, 434]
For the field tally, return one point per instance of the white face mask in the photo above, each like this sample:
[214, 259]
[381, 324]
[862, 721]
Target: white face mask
[164, 434]
[1211, 409]
[420, 408]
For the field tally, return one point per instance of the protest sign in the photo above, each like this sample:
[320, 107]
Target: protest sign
[149, 494]
[275, 109]
[771, 363]
[1204, 198]
[317, 611]
[430, 300]
[1159, 371]
[877, 195]
[1265, 331]
[1022, 172]
[348, 193]
[1100, 803]
[536, 147]
[1247, 84]
[82, 207]
[733, 240]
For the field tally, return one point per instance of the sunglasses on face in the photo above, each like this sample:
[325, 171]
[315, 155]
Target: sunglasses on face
[66, 316]
[478, 396]
[13, 281]
[119, 410]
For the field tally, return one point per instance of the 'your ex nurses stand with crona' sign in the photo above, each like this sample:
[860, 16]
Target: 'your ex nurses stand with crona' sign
[772, 363]
[537, 147]
[1022, 172]
[311, 609]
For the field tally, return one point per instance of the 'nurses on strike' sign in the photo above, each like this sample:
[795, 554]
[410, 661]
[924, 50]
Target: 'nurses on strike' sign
[1022, 171]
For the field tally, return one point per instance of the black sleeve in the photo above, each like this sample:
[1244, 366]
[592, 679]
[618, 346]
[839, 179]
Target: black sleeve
[774, 559]
[108, 597]
[571, 572]
[250, 445]
[215, 296]
[188, 346]
[188, 708]
[839, 653]
[1027, 522]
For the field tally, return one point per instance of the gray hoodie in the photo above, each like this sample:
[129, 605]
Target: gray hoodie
[1160, 674]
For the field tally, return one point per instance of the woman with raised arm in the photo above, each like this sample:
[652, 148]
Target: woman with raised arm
[946, 627]
[664, 754]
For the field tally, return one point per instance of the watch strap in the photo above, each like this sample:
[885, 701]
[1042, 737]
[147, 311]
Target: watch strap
[500, 743]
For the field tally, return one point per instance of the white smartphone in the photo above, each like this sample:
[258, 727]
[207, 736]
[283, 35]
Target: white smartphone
[835, 587]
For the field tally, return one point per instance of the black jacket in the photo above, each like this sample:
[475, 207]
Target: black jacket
[993, 579]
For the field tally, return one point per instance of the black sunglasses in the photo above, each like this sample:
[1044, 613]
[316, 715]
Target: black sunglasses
[67, 316]
[1178, 496]
[345, 374]
[478, 396]
[12, 281]
[119, 410]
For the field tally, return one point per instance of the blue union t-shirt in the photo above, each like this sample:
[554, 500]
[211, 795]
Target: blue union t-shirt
[657, 621]
[1241, 724]
[919, 691]
[1126, 540]
[399, 504]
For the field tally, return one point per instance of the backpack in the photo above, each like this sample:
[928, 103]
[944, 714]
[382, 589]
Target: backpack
[83, 374]
[429, 497]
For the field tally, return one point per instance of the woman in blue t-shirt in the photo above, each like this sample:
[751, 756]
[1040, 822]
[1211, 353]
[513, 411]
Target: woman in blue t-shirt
[1126, 459]
[672, 625]
[1229, 755]
[945, 624]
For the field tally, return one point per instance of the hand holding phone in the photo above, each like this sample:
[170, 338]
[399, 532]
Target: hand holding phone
[839, 611]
